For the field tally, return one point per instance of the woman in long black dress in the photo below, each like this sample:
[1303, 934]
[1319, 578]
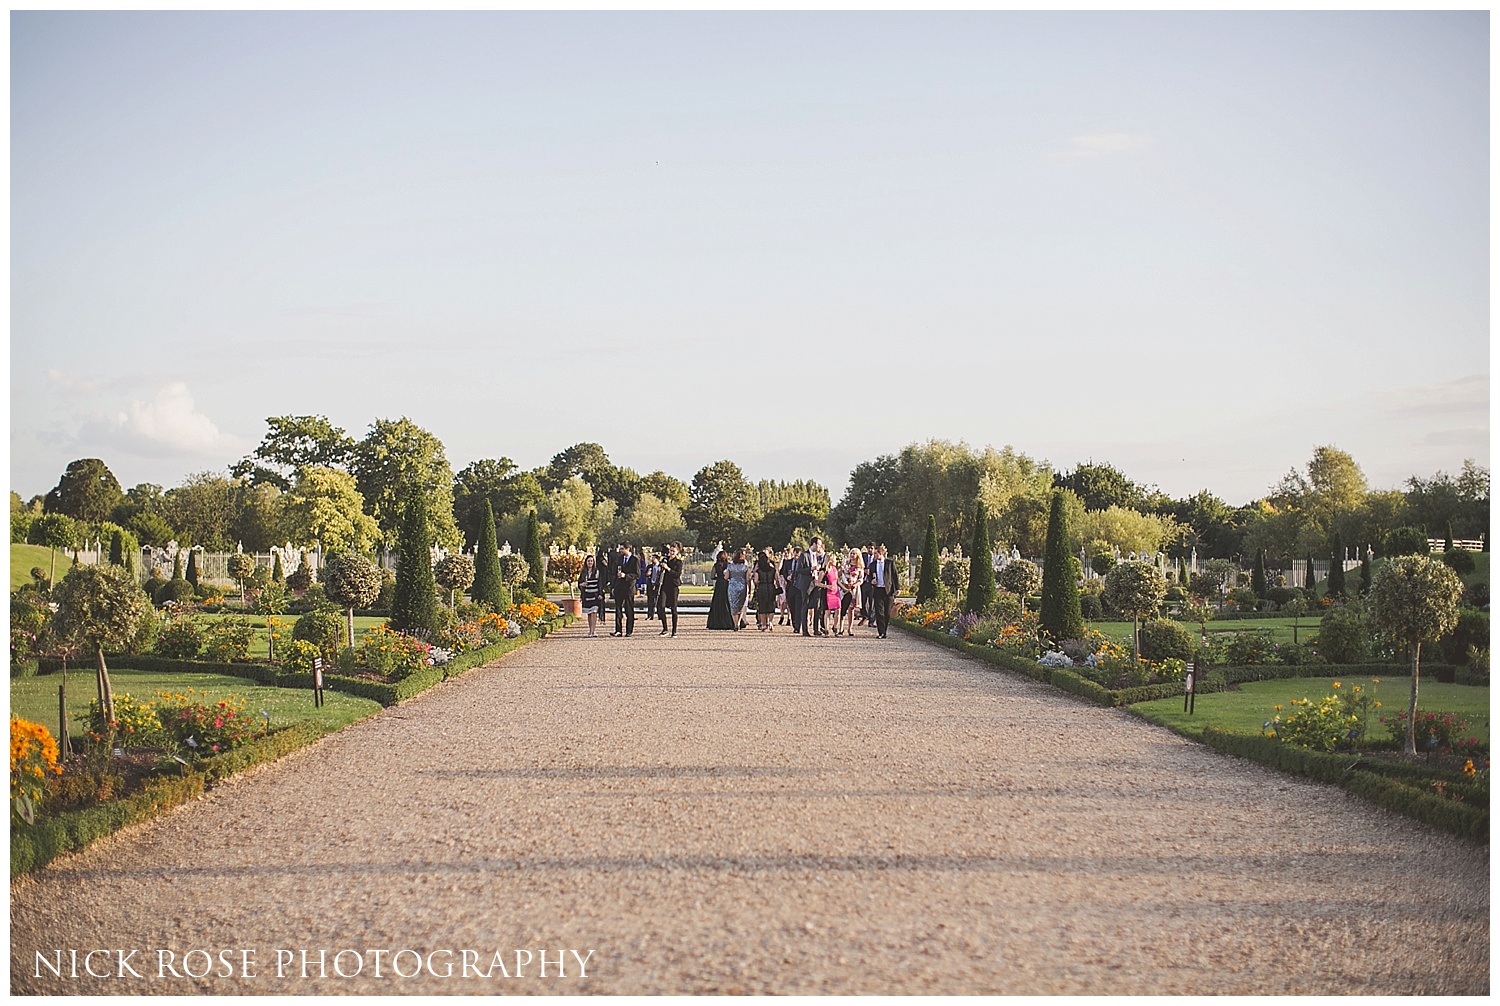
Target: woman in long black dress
[590, 593]
[718, 609]
[766, 589]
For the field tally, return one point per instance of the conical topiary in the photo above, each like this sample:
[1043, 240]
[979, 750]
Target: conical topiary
[927, 585]
[538, 569]
[1335, 586]
[116, 549]
[1312, 579]
[981, 594]
[278, 575]
[489, 584]
[192, 570]
[414, 604]
[1061, 615]
[1258, 574]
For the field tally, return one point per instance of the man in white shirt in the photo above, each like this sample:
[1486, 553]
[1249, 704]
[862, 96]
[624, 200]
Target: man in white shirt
[882, 584]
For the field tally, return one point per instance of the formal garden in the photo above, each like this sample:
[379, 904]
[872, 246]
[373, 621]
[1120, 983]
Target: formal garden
[186, 682]
[1379, 684]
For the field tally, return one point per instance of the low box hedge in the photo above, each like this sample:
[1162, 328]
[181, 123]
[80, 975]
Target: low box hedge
[1403, 787]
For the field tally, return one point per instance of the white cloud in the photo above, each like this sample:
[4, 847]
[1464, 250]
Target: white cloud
[68, 382]
[1104, 144]
[170, 421]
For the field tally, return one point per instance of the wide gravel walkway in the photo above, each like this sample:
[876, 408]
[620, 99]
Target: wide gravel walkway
[748, 813]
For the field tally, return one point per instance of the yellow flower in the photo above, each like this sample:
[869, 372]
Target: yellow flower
[1335, 684]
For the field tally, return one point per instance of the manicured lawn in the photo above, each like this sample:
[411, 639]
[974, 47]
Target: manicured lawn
[23, 557]
[1280, 628]
[36, 698]
[1251, 705]
[258, 648]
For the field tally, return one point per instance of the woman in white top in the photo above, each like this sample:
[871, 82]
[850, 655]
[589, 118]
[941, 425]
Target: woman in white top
[851, 577]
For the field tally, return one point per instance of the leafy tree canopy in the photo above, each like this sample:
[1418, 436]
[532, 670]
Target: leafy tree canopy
[325, 506]
[202, 511]
[396, 454]
[508, 490]
[88, 491]
[722, 505]
[293, 442]
[672, 490]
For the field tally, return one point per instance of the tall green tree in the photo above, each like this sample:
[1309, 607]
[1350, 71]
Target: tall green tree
[489, 585]
[414, 604]
[1258, 574]
[1061, 614]
[278, 574]
[981, 594]
[499, 482]
[352, 581]
[1366, 572]
[292, 443]
[538, 568]
[1414, 600]
[1335, 586]
[202, 511]
[1312, 580]
[88, 491]
[192, 568]
[722, 505]
[927, 584]
[398, 454]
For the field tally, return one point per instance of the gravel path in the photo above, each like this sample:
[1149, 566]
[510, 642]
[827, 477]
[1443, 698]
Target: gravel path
[726, 813]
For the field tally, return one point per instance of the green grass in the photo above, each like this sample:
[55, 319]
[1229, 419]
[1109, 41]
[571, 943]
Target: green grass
[35, 698]
[259, 646]
[23, 557]
[1280, 628]
[1251, 705]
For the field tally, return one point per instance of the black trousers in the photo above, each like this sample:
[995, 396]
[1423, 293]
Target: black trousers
[818, 601]
[880, 603]
[653, 595]
[796, 599]
[625, 608]
[666, 598]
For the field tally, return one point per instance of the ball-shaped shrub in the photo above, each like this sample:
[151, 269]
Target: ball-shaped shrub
[454, 572]
[178, 590]
[1021, 577]
[514, 569]
[1344, 635]
[1090, 607]
[324, 629]
[1459, 560]
[1102, 564]
[1165, 638]
[241, 565]
[351, 581]
[955, 574]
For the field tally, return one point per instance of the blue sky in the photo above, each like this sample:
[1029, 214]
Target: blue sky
[1192, 245]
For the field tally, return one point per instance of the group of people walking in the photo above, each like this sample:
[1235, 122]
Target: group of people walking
[616, 573]
[819, 593]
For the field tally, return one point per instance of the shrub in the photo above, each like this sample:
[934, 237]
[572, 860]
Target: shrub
[955, 574]
[179, 639]
[136, 723]
[302, 577]
[176, 590]
[298, 657]
[393, 654]
[1477, 595]
[514, 570]
[1164, 638]
[200, 729]
[1250, 647]
[1472, 630]
[1435, 731]
[323, 629]
[1283, 594]
[1344, 635]
[1007, 607]
[1406, 541]
[1459, 560]
[1091, 607]
[228, 640]
[1321, 725]
[1102, 564]
[1244, 598]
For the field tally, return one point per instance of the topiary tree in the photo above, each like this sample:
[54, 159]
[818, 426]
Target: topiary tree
[1366, 573]
[566, 566]
[1164, 638]
[489, 582]
[927, 584]
[1459, 560]
[1258, 582]
[1344, 635]
[414, 605]
[955, 573]
[116, 548]
[1135, 589]
[1021, 577]
[1448, 540]
[240, 567]
[534, 561]
[514, 569]
[1061, 617]
[278, 575]
[192, 569]
[1311, 585]
[102, 608]
[1102, 563]
[1296, 607]
[301, 578]
[1414, 600]
[55, 530]
[351, 581]
[454, 573]
[981, 593]
[1335, 586]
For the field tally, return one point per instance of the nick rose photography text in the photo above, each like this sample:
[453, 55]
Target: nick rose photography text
[298, 964]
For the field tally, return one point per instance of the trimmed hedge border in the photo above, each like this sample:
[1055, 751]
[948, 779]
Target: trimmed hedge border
[34, 846]
[1393, 785]
[1390, 785]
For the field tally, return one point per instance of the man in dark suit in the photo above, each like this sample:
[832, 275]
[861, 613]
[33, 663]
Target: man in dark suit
[797, 586]
[626, 568]
[882, 584]
[653, 585]
[671, 580]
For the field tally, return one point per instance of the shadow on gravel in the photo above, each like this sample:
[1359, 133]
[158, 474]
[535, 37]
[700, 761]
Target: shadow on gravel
[624, 772]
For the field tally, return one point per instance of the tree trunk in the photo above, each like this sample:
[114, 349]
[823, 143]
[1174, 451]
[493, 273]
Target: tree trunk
[1411, 710]
[106, 692]
[351, 628]
[1135, 636]
[52, 576]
